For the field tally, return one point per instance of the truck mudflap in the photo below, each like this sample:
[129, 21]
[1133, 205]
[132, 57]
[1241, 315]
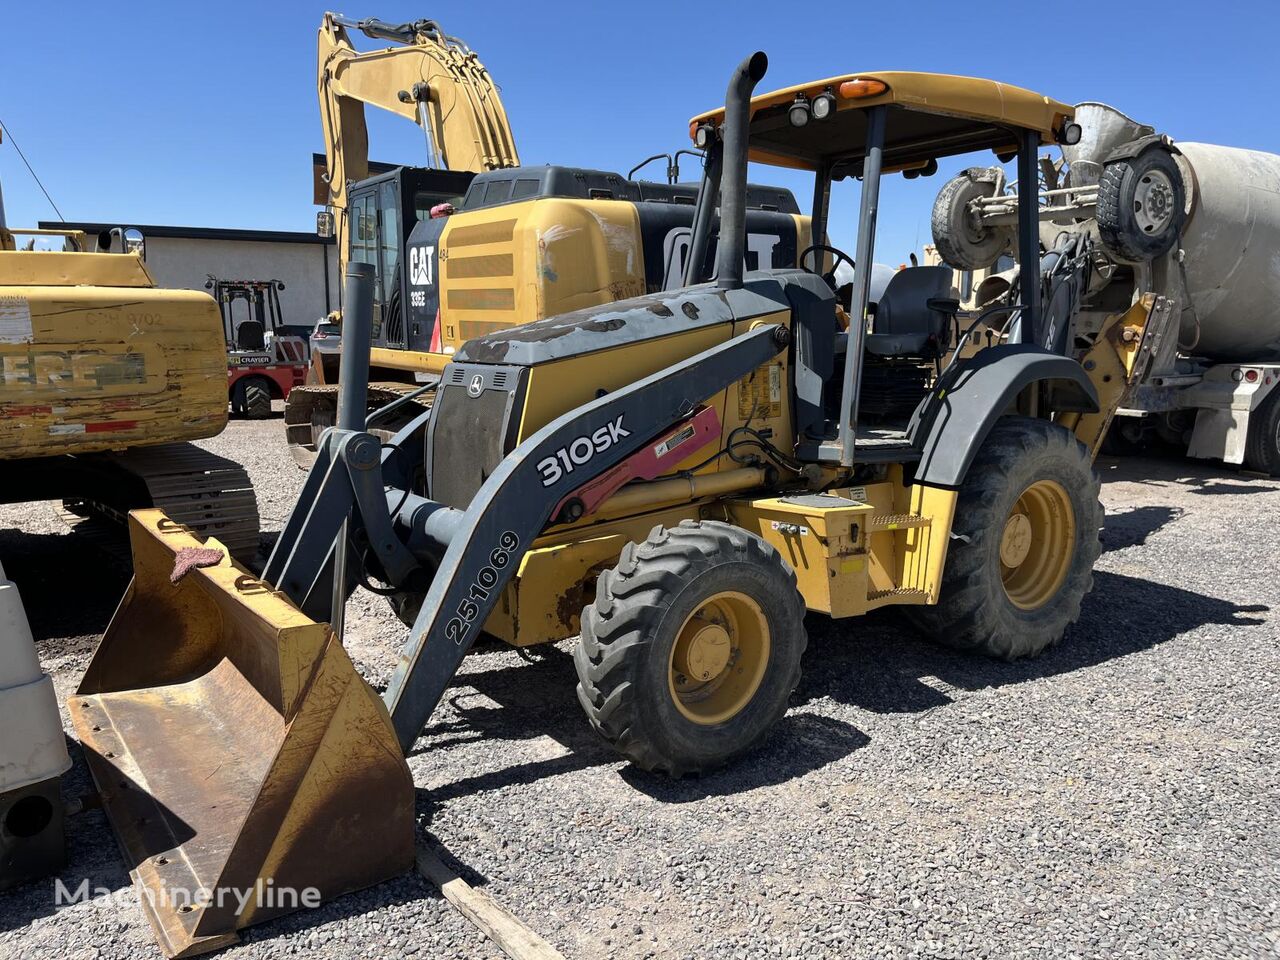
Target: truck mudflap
[246, 767]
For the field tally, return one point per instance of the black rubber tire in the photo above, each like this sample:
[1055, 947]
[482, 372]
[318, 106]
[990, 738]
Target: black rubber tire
[1117, 223]
[958, 244]
[624, 654]
[973, 612]
[257, 399]
[1262, 446]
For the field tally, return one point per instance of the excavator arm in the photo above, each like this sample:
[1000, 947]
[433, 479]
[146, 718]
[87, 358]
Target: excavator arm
[425, 76]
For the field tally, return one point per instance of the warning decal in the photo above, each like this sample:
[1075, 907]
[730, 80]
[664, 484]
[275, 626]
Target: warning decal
[760, 393]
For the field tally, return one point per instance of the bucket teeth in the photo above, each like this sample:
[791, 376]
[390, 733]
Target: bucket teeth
[246, 767]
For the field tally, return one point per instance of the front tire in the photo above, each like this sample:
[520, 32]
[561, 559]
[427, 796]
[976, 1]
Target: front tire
[1024, 541]
[692, 647]
[257, 400]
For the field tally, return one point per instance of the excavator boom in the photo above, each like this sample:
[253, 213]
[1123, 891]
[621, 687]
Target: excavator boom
[428, 77]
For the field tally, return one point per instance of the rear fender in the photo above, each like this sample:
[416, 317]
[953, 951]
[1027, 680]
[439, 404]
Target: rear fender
[952, 422]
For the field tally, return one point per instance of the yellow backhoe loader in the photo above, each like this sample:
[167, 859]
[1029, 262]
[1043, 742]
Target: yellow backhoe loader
[678, 477]
[475, 242]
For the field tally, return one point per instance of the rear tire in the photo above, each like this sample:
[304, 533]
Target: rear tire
[962, 242]
[1024, 541]
[257, 399]
[1262, 447]
[692, 647]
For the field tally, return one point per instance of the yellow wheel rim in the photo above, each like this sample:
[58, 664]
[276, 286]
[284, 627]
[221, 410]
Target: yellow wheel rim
[1037, 544]
[719, 658]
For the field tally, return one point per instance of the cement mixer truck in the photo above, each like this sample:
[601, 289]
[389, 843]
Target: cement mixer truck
[1194, 223]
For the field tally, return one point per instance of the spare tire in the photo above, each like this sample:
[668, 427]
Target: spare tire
[963, 242]
[1142, 205]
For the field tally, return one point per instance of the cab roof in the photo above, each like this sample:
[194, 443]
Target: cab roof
[935, 115]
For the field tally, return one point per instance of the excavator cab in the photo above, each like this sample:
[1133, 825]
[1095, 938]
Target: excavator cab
[688, 468]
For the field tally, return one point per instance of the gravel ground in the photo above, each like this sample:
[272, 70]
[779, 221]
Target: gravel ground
[1116, 797]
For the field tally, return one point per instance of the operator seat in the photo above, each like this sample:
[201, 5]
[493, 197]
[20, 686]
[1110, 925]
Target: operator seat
[914, 314]
[251, 335]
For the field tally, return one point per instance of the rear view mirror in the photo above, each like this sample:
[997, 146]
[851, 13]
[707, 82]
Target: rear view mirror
[134, 242]
[324, 224]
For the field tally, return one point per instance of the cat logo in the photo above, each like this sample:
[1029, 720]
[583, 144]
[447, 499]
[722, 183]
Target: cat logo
[476, 387]
[420, 269]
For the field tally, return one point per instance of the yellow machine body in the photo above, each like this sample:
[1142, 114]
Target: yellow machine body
[94, 357]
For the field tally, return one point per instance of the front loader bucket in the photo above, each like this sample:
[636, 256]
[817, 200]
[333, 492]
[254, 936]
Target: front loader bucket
[246, 768]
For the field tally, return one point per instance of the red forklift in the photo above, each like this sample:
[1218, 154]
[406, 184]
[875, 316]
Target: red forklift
[266, 358]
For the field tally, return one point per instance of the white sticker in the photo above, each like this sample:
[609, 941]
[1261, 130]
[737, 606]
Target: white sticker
[858, 493]
[15, 320]
[669, 444]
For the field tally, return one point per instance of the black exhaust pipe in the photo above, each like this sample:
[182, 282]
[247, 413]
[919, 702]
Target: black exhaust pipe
[733, 179]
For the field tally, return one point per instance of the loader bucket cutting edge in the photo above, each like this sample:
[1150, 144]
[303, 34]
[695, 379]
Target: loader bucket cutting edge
[246, 767]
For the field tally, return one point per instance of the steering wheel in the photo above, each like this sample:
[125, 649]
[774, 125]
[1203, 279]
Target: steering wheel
[838, 255]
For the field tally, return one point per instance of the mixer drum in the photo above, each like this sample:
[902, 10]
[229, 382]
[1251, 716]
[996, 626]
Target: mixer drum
[1232, 254]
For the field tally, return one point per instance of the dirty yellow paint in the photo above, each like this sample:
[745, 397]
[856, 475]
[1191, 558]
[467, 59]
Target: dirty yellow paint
[94, 357]
[518, 262]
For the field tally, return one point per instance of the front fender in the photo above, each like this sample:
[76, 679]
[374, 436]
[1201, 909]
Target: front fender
[952, 422]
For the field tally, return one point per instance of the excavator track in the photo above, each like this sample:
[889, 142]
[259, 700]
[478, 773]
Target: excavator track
[208, 493]
[311, 409]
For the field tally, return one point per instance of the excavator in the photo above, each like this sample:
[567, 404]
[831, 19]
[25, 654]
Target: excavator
[475, 242]
[104, 380]
[677, 477]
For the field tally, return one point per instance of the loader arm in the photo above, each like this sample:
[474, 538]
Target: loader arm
[483, 545]
[427, 77]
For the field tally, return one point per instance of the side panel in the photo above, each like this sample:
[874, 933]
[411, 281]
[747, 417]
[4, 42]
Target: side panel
[666, 228]
[562, 385]
[507, 265]
[87, 369]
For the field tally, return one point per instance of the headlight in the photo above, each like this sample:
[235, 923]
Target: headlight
[823, 106]
[799, 112]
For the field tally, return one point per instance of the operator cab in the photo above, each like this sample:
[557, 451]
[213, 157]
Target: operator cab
[863, 365]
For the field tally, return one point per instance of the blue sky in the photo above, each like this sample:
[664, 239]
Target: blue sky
[205, 114]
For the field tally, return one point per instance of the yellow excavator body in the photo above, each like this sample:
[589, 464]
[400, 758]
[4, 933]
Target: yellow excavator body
[94, 357]
[104, 380]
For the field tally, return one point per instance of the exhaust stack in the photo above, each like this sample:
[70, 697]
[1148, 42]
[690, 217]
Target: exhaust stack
[733, 179]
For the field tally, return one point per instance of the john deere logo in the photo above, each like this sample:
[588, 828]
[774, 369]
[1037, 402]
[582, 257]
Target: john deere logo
[476, 386]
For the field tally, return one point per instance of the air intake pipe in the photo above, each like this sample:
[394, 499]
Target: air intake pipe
[733, 179]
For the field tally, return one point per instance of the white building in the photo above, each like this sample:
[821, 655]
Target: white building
[184, 257]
